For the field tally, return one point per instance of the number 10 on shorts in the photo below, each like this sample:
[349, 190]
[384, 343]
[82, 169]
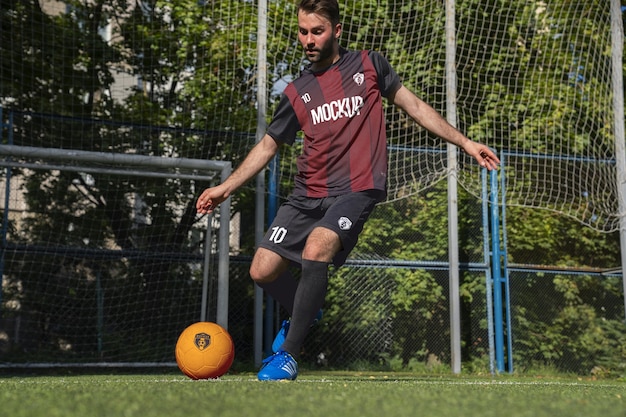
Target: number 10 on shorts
[278, 234]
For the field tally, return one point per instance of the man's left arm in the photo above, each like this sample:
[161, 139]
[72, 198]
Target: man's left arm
[431, 120]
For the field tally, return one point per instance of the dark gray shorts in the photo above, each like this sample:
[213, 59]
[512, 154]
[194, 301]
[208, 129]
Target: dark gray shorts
[299, 215]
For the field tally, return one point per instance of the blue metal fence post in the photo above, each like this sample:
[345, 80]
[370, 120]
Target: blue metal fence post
[496, 271]
[501, 295]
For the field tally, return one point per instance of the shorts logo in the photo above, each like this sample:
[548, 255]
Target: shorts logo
[344, 223]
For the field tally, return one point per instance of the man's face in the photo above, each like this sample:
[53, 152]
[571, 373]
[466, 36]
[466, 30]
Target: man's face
[319, 38]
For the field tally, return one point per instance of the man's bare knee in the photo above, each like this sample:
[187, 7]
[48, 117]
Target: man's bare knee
[259, 276]
[322, 245]
[266, 266]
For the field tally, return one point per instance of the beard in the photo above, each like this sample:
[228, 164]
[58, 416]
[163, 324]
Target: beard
[322, 55]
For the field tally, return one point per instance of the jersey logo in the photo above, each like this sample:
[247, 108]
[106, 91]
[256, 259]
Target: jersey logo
[358, 78]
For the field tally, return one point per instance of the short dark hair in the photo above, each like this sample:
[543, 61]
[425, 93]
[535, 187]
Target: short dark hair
[327, 8]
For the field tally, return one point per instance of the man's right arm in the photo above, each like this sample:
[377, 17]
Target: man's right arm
[257, 159]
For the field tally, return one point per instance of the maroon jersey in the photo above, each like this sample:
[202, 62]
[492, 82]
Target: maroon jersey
[340, 112]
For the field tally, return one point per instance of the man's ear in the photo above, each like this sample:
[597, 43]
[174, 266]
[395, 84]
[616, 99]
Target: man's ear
[338, 31]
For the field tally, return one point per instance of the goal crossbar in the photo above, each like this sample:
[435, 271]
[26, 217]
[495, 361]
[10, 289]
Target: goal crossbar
[196, 168]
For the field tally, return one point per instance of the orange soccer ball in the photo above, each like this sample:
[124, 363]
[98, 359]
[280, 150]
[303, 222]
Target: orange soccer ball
[204, 350]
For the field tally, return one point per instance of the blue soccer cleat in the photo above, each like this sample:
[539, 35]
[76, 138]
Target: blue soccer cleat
[284, 328]
[281, 366]
[280, 336]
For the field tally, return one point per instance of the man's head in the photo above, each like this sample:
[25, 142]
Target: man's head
[327, 8]
[319, 30]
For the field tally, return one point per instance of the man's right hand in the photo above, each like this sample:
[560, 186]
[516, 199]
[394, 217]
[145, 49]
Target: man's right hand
[209, 199]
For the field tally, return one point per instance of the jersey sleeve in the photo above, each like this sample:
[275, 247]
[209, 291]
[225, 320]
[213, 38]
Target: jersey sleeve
[388, 80]
[284, 125]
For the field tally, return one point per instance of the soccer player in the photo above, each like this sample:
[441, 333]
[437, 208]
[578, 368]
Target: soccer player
[342, 171]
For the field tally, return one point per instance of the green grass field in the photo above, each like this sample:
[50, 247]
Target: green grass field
[313, 394]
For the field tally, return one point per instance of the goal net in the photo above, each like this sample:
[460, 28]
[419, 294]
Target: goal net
[179, 79]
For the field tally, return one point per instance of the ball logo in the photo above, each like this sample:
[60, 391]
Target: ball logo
[345, 223]
[202, 341]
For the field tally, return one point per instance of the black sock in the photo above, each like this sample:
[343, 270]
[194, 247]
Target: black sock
[282, 289]
[309, 299]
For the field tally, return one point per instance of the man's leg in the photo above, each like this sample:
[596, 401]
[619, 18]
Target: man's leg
[321, 245]
[269, 271]
[320, 248]
[309, 299]
[304, 298]
[282, 289]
